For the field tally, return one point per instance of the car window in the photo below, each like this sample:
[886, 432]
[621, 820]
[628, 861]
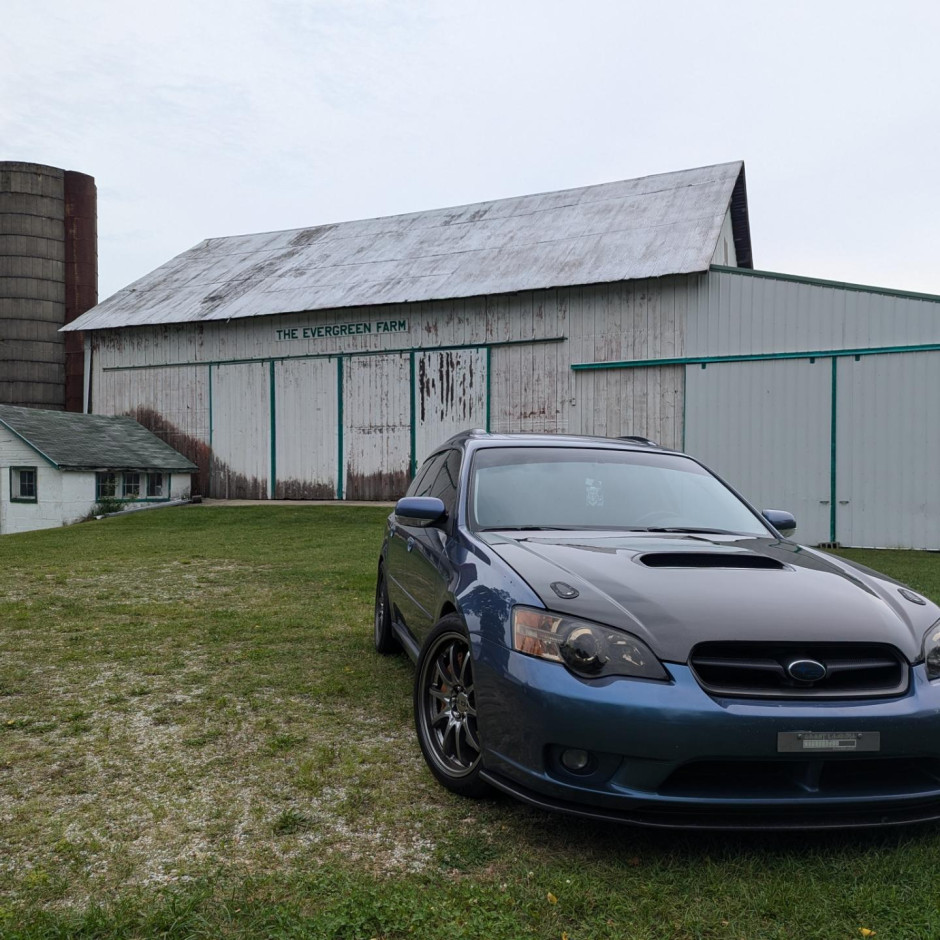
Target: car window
[516, 487]
[426, 475]
[444, 486]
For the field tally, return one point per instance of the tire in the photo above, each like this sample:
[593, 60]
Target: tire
[385, 641]
[445, 709]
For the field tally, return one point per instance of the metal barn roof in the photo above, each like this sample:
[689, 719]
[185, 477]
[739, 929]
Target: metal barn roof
[71, 441]
[647, 227]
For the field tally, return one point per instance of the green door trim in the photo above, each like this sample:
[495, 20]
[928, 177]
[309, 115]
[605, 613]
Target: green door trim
[339, 428]
[704, 361]
[272, 483]
[833, 424]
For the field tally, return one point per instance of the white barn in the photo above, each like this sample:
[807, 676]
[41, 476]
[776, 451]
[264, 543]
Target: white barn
[327, 362]
[56, 466]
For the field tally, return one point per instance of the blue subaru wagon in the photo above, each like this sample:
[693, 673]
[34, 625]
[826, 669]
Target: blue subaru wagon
[604, 627]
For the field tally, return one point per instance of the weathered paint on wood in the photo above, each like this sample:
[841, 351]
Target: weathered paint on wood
[450, 396]
[241, 431]
[173, 403]
[306, 413]
[376, 426]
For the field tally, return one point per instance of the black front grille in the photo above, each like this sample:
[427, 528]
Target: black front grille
[765, 670]
[841, 778]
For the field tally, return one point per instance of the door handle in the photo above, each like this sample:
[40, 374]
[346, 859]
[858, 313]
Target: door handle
[411, 542]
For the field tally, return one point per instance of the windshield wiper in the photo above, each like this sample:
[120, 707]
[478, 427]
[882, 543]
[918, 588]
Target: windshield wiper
[692, 530]
[529, 528]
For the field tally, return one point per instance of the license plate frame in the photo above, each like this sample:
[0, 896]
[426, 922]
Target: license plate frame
[828, 742]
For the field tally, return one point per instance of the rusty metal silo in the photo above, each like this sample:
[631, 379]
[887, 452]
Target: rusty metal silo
[48, 276]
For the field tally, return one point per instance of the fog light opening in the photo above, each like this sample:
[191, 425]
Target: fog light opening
[576, 760]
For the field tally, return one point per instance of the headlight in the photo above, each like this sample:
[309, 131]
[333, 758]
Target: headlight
[587, 649]
[932, 651]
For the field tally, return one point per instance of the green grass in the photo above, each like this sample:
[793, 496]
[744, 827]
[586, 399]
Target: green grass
[197, 740]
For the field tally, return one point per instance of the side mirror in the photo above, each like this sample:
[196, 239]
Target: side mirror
[420, 510]
[782, 521]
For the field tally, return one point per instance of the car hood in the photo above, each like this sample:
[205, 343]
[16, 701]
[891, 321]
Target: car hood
[674, 591]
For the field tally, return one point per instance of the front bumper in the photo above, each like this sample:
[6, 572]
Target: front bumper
[668, 754]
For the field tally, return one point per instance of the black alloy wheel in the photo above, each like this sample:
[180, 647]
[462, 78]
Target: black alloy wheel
[445, 709]
[385, 641]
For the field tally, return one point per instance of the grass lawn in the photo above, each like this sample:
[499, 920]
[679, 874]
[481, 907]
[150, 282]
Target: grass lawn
[197, 740]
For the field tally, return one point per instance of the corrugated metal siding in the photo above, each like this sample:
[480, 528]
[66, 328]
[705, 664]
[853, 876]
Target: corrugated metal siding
[737, 313]
[376, 426]
[241, 431]
[306, 412]
[450, 396]
[889, 451]
[767, 424]
[764, 426]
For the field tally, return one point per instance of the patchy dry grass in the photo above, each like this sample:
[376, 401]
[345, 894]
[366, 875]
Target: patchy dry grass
[171, 711]
[197, 740]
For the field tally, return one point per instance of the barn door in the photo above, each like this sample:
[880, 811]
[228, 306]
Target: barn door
[450, 396]
[376, 426]
[241, 431]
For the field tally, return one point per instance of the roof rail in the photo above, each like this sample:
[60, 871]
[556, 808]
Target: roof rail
[637, 439]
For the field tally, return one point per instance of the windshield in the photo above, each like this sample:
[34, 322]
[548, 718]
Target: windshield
[567, 488]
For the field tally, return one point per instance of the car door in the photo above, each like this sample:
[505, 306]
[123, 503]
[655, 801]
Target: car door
[430, 567]
[402, 571]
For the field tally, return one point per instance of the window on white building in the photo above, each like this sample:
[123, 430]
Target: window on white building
[106, 485]
[131, 488]
[23, 485]
[155, 488]
[131, 484]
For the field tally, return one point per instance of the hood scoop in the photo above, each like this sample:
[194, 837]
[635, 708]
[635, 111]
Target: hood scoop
[737, 560]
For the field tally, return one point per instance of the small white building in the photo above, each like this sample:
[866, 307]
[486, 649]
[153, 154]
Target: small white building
[56, 466]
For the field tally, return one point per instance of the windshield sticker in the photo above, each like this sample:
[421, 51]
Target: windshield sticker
[594, 491]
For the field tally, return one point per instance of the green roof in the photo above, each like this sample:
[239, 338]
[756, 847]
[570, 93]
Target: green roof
[71, 441]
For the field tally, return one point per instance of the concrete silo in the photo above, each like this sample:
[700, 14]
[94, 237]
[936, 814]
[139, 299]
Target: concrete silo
[48, 276]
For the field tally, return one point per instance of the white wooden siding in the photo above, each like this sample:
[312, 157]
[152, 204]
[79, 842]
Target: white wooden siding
[241, 431]
[171, 402]
[306, 412]
[376, 426]
[450, 396]
[530, 388]
[645, 402]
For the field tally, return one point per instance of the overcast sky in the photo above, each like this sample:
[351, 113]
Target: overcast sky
[201, 118]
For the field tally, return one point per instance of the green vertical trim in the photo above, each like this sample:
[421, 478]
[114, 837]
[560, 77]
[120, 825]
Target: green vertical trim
[413, 459]
[211, 451]
[489, 383]
[272, 486]
[685, 385]
[339, 427]
[833, 413]
[210, 412]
